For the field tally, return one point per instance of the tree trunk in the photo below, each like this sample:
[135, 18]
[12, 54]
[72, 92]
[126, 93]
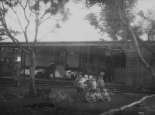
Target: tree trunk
[136, 43]
[32, 72]
[145, 63]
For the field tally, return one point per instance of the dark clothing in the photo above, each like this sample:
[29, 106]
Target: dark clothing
[51, 70]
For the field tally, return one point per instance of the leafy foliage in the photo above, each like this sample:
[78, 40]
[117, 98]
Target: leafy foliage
[35, 6]
[10, 3]
[111, 15]
[56, 5]
[150, 28]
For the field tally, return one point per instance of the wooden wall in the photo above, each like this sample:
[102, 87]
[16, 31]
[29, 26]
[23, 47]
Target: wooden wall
[134, 74]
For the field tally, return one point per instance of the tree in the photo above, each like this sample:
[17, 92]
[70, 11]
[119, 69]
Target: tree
[27, 13]
[110, 17]
[118, 17]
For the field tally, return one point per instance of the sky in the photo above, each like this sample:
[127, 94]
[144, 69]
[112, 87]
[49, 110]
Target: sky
[76, 28]
[146, 4]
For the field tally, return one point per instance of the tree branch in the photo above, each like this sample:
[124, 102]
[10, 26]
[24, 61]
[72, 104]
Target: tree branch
[24, 10]
[5, 25]
[113, 111]
[145, 46]
[27, 20]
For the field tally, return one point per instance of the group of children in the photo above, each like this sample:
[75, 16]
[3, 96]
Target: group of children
[92, 88]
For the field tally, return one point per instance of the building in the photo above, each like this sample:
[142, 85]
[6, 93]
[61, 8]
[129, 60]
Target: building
[118, 59]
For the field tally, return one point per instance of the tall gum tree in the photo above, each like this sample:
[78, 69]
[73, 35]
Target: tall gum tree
[118, 16]
[28, 17]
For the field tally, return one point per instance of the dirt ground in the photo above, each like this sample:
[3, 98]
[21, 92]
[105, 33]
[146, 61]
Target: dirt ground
[14, 101]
